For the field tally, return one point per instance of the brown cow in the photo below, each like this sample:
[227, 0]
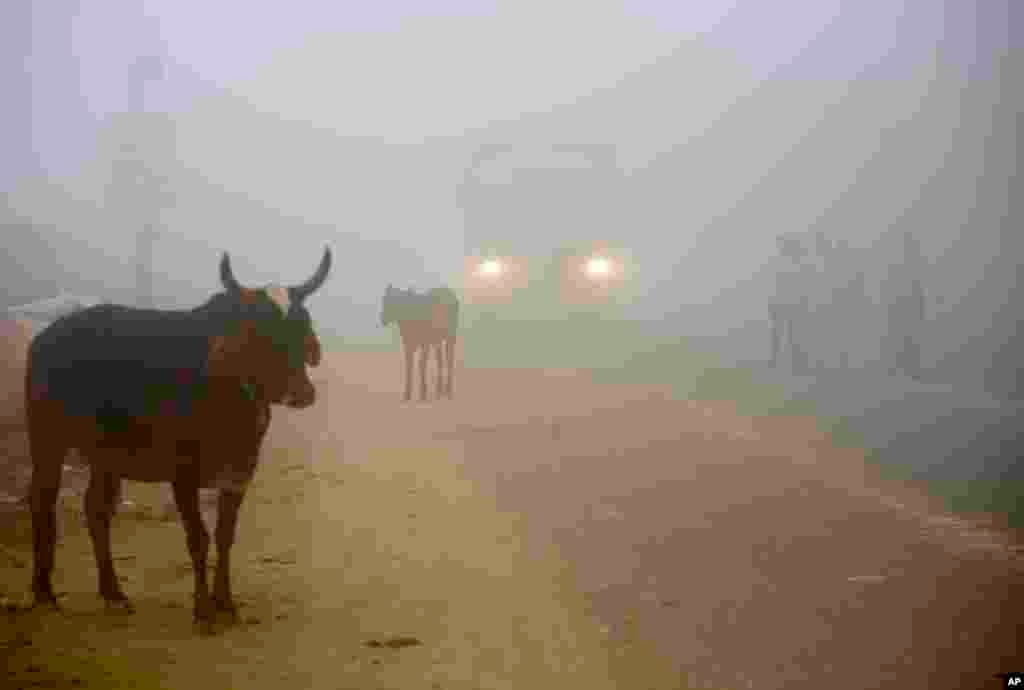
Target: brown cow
[424, 321]
[165, 396]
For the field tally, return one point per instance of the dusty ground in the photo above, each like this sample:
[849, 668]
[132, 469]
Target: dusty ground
[544, 531]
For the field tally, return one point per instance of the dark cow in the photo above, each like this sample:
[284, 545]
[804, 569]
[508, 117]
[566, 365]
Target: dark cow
[176, 396]
[424, 321]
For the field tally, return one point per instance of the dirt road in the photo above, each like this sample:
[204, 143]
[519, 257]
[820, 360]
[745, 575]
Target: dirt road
[542, 531]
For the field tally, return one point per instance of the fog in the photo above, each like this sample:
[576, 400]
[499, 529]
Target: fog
[281, 128]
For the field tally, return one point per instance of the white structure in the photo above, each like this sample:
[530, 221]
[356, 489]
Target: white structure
[44, 311]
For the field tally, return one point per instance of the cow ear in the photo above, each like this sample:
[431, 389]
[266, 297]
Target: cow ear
[218, 347]
[217, 353]
[224, 345]
[227, 355]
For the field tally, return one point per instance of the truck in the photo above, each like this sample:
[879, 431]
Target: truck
[544, 229]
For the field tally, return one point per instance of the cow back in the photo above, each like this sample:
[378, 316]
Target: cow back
[114, 361]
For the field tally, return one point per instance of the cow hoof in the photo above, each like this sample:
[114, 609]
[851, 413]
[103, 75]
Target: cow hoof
[227, 610]
[45, 604]
[203, 614]
[119, 606]
[203, 627]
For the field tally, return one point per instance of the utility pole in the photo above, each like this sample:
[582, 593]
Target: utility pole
[150, 69]
[144, 151]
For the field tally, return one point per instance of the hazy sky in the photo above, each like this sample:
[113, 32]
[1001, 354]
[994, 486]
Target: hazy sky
[392, 69]
[753, 114]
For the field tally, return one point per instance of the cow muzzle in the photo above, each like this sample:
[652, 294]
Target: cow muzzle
[300, 394]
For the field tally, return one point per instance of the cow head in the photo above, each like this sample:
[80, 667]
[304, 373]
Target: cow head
[394, 306]
[387, 305]
[270, 338]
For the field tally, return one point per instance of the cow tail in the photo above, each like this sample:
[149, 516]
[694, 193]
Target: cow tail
[453, 321]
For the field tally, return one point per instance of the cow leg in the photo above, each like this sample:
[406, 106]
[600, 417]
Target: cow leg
[47, 466]
[447, 366]
[424, 360]
[440, 368]
[186, 496]
[101, 498]
[409, 351]
[228, 503]
[449, 347]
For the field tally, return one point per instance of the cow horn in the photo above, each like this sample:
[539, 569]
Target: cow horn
[227, 276]
[301, 292]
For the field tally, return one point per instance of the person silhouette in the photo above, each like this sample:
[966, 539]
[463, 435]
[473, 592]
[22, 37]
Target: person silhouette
[788, 304]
